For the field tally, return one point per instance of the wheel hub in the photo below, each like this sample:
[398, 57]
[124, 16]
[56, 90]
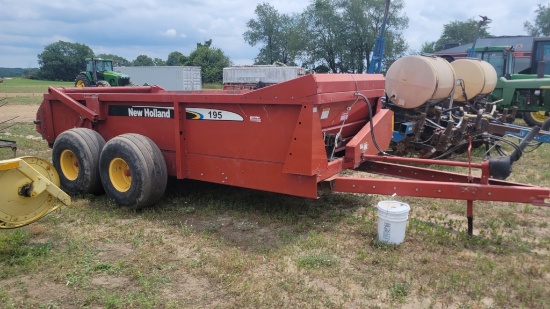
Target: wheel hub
[539, 116]
[120, 175]
[69, 165]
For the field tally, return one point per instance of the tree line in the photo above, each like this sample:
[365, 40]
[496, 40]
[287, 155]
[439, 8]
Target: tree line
[61, 61]
[329, 35]
[16, 72]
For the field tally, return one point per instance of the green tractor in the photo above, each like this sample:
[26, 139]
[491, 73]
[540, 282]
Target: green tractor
[99, 73]
[528, 91]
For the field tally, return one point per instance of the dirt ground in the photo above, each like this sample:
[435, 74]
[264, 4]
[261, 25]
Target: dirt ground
[19, 113]
[20, 94]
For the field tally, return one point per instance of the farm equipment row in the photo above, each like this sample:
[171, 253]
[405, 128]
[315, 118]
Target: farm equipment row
[292, 138]
[126, 141]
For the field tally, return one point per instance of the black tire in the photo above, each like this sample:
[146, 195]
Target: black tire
[75, 156]
[103, 83]
[82, 80]
[534, 118]
[133, 171]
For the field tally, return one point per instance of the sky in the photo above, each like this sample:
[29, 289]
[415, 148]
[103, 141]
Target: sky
[158, 27]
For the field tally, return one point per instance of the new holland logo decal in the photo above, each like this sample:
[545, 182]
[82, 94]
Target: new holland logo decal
[211, 114]
[141, 111]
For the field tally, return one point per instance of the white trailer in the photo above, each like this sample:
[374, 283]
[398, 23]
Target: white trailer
[168, 77]
[252, 76]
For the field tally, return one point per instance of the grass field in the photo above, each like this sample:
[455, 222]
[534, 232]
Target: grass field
[22, 85]
[212, 246]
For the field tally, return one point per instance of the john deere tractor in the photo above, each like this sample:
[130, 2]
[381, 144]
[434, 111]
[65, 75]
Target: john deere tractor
[529, 90]
[99, 73]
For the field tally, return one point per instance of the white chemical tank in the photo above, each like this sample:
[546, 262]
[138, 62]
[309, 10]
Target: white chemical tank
[479, 78]
[412, 81]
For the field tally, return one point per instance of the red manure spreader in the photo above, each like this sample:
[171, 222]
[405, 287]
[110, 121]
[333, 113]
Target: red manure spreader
[293, 138]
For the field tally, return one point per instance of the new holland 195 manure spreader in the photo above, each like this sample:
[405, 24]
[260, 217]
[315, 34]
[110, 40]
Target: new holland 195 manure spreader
[287, 138]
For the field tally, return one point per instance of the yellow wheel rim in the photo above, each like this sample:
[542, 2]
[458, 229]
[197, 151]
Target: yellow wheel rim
[539, 116]
[80, 83]
[119, 173]
[69, 165]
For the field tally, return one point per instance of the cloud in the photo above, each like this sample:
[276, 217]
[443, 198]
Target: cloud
[427, 18]
[158, 27]
[171, 33]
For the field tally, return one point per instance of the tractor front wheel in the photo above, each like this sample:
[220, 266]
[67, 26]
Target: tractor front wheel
[76, 157]
[133, 171]
[535, 118]
[82, 81]
[103, 83]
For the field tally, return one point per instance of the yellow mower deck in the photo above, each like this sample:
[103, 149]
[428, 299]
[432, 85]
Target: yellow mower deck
[29, 191]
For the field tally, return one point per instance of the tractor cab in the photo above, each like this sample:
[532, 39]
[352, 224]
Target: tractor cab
[540, 58]
[500, 57]
[99, 66]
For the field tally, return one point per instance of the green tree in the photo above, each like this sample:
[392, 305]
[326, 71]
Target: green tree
[143, 60]
[63, 60]
[359, 37]
[31, 73]
[460, 32]
[289, 44]
[396, 47]
[325, 28]
[428, 47]
[118, 61]
[159, 62]
[363, 20]
[342, 33]
[280, 34]
[212, 60]
[176, 58]
[541, 25]
[264, 29]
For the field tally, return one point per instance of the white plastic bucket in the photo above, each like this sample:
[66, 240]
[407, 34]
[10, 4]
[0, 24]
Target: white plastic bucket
[392, 221]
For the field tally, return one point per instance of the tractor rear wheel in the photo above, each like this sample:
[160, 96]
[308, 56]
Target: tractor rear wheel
[75, 156]
[133, 171]
[82, 81]
[103, 83]
[535, 118]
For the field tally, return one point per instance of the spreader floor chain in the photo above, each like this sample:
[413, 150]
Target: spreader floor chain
[30, 191]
